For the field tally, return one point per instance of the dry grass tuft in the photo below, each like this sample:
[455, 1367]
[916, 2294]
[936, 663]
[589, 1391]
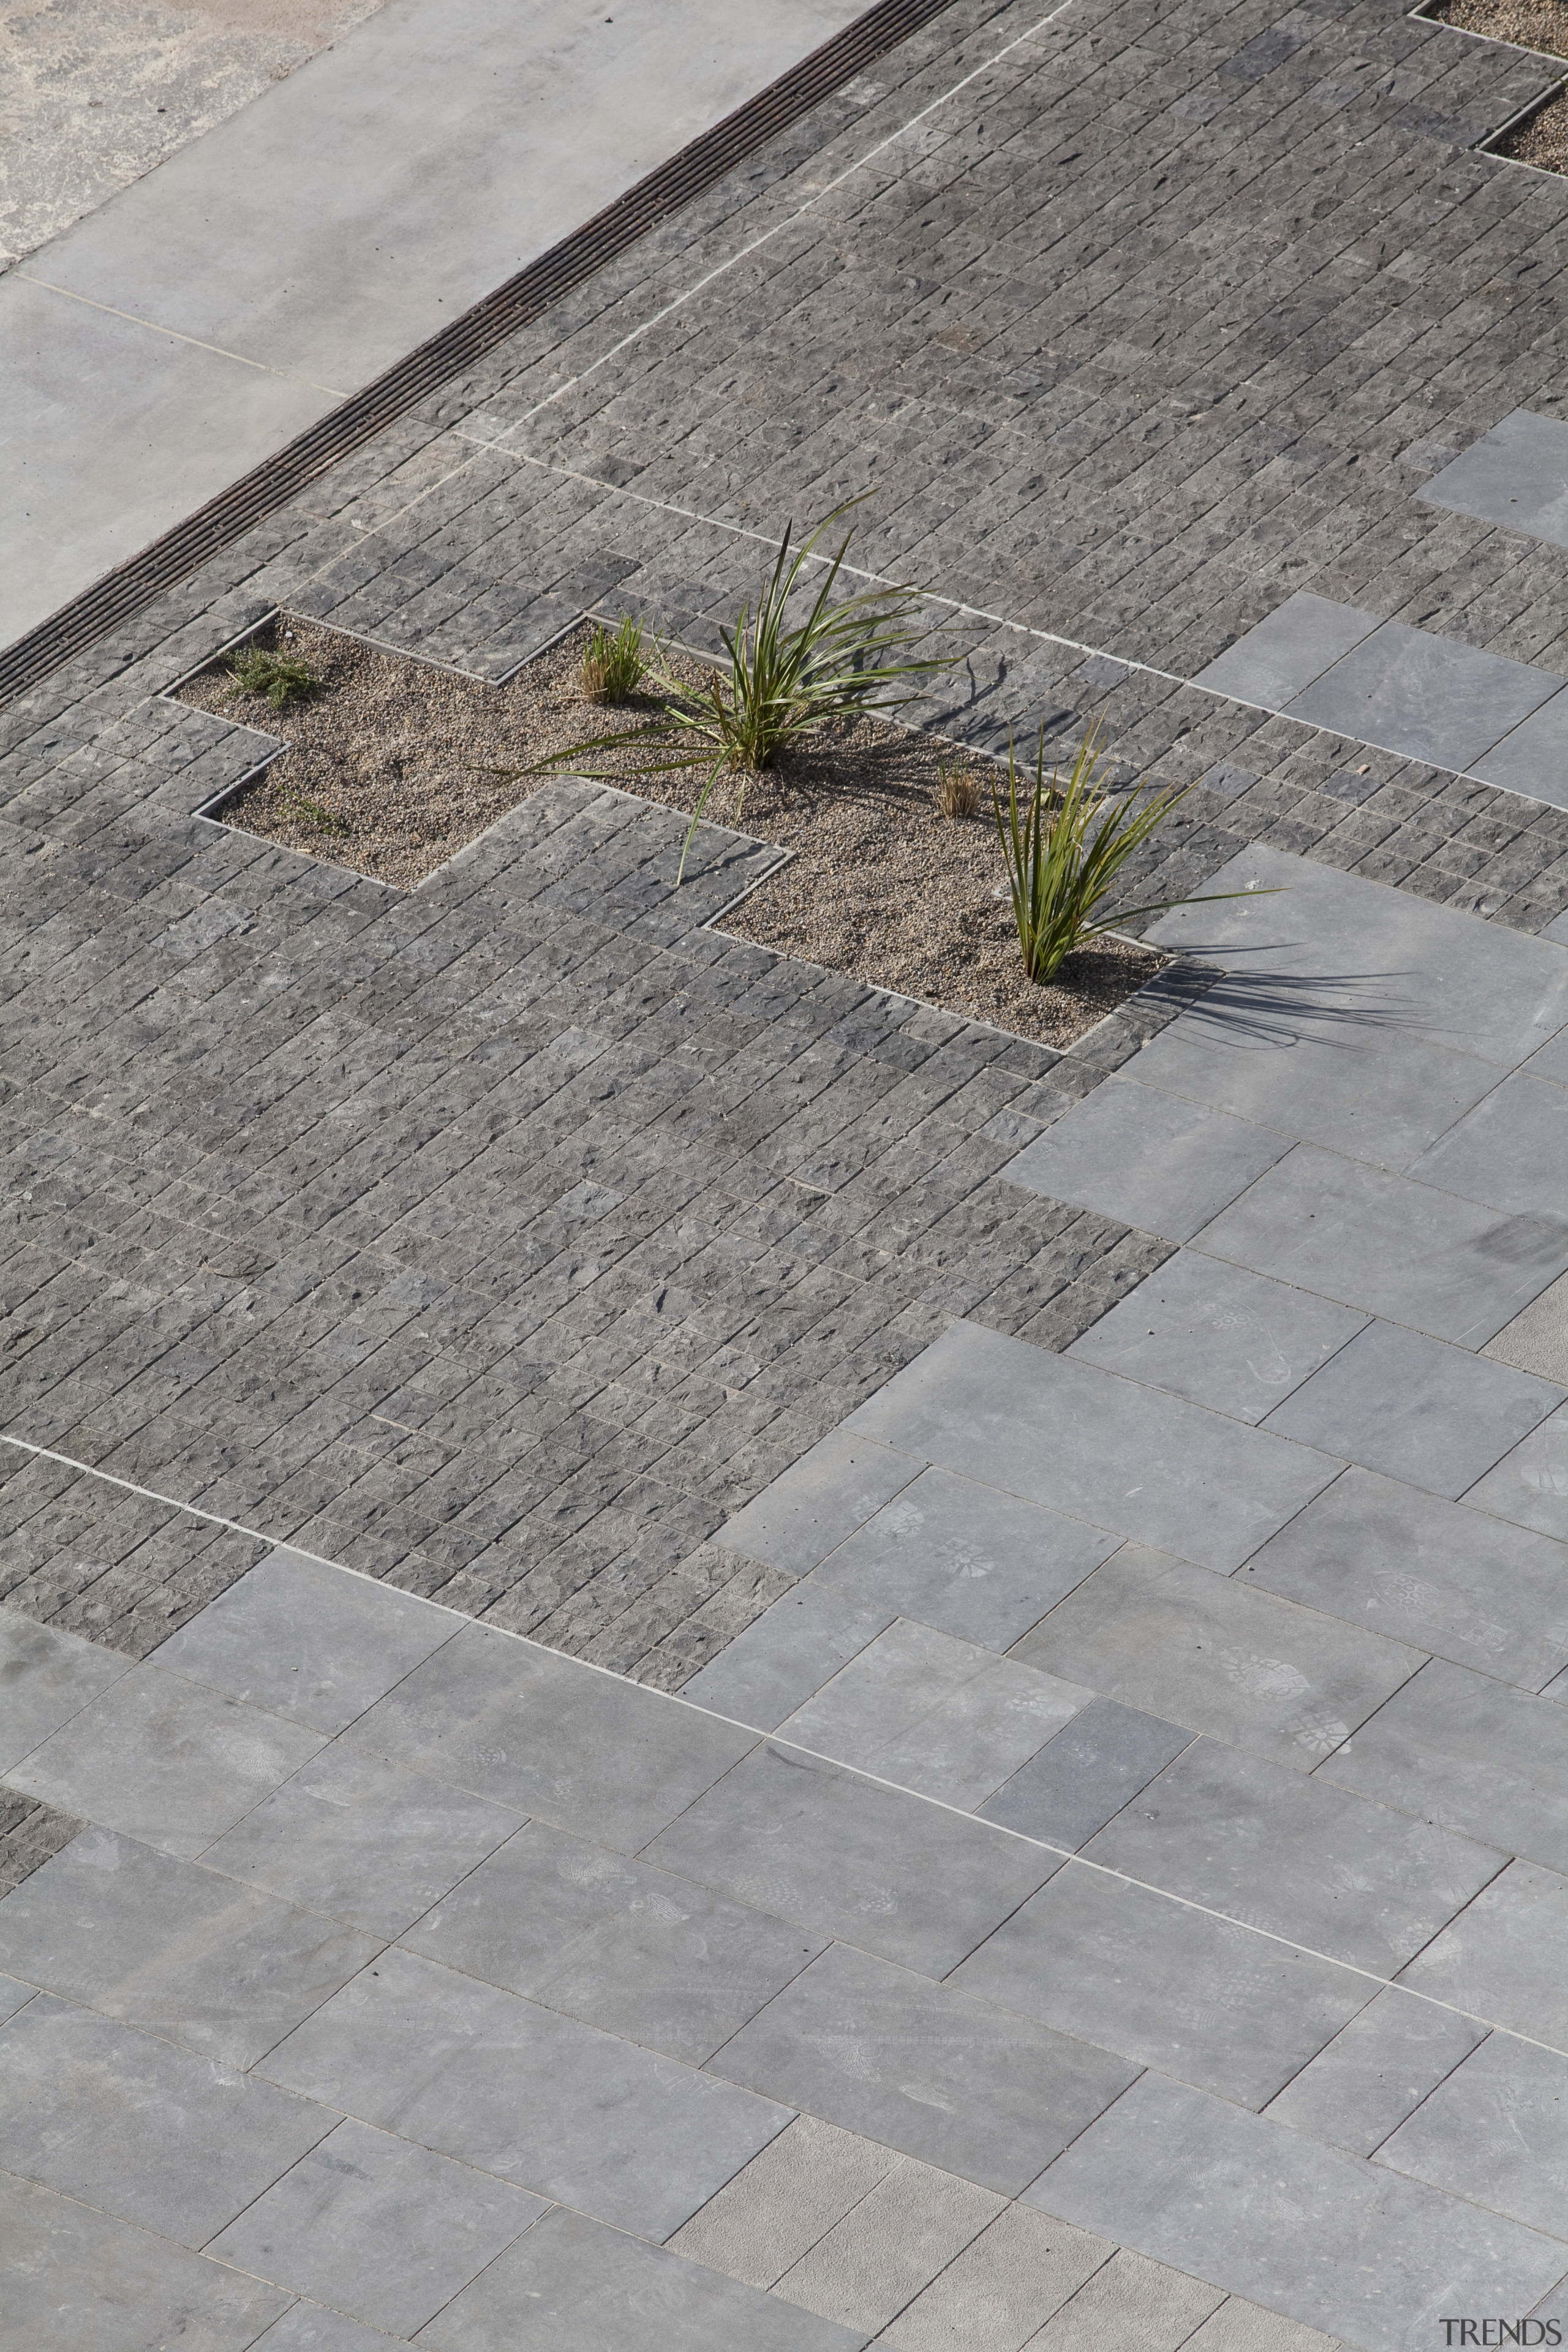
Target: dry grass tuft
[957, 790]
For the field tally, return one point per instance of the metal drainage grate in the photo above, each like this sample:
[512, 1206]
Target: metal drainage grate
[123, 593]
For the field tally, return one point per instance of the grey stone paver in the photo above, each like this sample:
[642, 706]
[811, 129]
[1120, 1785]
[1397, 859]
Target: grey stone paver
[1164, 1165]
[1410, 691]
[1494, 2130]
[1494, 1958]
[788, 1653]
[1364, 2083]
[1286, 651]
[1530, 1486]
[1512, 475]
[1084, 1774]
[46, 1677]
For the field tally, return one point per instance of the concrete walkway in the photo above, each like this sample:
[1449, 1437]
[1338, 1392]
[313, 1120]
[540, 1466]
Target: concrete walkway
[208, 313]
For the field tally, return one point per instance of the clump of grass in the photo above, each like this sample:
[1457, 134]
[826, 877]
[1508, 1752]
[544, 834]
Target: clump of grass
[278, 677]
[780, 683]
[615, 662]
[1064, 848]
[325, 819]
[957, 790]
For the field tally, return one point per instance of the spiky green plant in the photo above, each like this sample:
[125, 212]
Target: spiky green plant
[780, 681]
[278, 677]
[309, 811]
[615, 662]
[1065, 849]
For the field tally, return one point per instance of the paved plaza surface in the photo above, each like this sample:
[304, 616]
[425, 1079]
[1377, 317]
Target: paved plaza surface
[694, 1655]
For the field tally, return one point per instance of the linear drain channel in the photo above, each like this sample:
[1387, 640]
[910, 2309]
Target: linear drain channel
[124, 592]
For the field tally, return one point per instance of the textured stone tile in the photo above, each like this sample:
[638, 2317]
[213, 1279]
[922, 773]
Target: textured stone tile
[1004, 2284]
[476, 2073]
[1211, 1490]
[801, 1643]
[778, 2207]
[1134, 2302]
[306, 1640]
[833, 1490]
[1364, 2083]
[839, 1855]
[1220, 1654]
[171, 1947]
[952, 2081]
[1536, 1341]
[361, 1839]
[164, 1760]
[1309, 2231]
[624, 1947]
[151, 2134]
[384, 2231]
[953, 1553]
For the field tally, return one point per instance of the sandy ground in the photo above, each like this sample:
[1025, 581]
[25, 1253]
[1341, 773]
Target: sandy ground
[391, 770]
[94, 93]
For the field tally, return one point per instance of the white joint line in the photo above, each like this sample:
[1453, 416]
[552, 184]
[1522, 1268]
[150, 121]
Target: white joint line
[154, 326]
[856, 1771]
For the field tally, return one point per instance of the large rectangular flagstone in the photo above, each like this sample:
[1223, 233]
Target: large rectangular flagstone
[46, 1677]
[1462, 1749]
[810, 1508]
[1220, 1656]
[791, 1650]
[1501, 1958]
[139, 2128]
[1496, 2131]
[477, 2074]
[1153, 1160]
[1083, 1442]
[889, 1872]
[1308, 2231]
[1510, 1152]
[1423, 695]
[173, 1948]
[76, 2277]
[1429, 1572]
[1534, 758]
[1295, 1856]
[1392, 1247]
[539, 1733]
[1286, 650]
[1516, 475]
[1370, 2078]
[908, 2064]
[1165, 1985]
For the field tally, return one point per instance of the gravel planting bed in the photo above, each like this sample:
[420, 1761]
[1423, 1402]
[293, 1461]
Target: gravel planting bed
[1532, 23]
[390, 770]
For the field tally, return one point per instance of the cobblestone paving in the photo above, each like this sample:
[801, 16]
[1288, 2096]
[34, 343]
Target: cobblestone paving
[504, 1238]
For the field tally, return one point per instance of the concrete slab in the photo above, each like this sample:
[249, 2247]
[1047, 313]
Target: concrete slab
[1131, 2301]
[148, 2132]
[1306, 2229]
[1424, 696]
[386, 2232]
[46, 1677]
[1086, 1774]
[953, 1553]
[1061, 1433]
[393, 181]
[933, 1714]
[164, 1760]
[1530, 1486]
[1220, 1336]
[1221, 1655]
[955, 2081]
[82, 2277]
[822, 1498]
[539, 1734]
[1496, 2131]
[1006, 2282]
[781, 2204]
[1389, 1246]
[1428, 1572]
[363, 1841]
[174, 1949]
[1437, 1417]
[1162, 1165]
[1295, 1857]
[307, 1642]
[1370, 2078]
[1163, 1985]
[571, 2282]
[1533, 759]
[877, 1868]
[1508, 1151]
[531, 2096]
[1537, 1339]
[901, 2237]
[1516, 475]
[1273, 662]
[624, 1947]
[1468, 1752]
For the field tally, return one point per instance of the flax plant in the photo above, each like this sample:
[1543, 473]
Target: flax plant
[1064, 847]
[779, 682]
